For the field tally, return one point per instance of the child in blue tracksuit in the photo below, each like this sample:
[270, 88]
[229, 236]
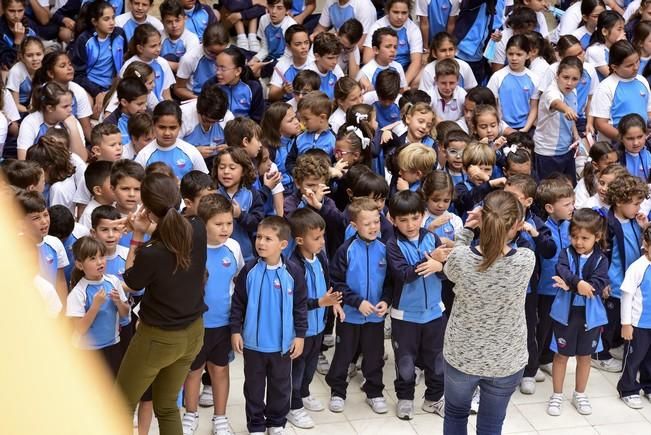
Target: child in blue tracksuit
[359, 270]
[536, 236]
[308, 230]
[414, 256]
[198, 16]
[636, 328]
[556, 198]
[624, 195]
[99, 52]
[235, 174]
[578, 311]
[268, 324]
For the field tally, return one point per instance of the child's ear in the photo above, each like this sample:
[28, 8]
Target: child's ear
[93, 233]
[97, 190]
[187, 202]
[299, 240]
[352, 224]
[549, 208]
[94, 150]
[283, 244]
[419, 174]
[349, 192]
[123, 102]
[528, 202]
[79, 265]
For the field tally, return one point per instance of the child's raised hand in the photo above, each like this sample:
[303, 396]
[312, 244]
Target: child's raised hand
[288, 88]
[440, 254]
[68, 23]
[439, 221]
[381, 308]
[476, 174]
[497, 183]
[499, 142]
[237, 210]
[559, 283]
[115, 296]
[402, 184]
[526, 226]
[474, 218]
[331, 298]
[429, 267]
[297, 348]
[366, 308]
[339, 169]
[99, 298]
[19, 32]
[207, 150]
[386, 136]
[627, 332]
[642, 220]
[321, 192]
[271, 179]
[571, 115]
[237, 343]
[339, 312]
[585, 289]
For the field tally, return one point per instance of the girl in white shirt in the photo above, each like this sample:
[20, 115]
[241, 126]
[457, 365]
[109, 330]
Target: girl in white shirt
[610, 29]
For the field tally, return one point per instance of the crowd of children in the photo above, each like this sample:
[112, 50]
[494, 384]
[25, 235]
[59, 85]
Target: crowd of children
[288, 143]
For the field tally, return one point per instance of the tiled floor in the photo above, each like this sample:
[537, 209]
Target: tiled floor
[526, 414]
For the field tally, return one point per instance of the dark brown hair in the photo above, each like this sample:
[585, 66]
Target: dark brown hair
[501, 211]
[160, 195]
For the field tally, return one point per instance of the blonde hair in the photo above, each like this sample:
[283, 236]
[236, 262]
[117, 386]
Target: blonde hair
[417, 157]
[477, 153]
[359, 205]
[501, 211]
[410, 109]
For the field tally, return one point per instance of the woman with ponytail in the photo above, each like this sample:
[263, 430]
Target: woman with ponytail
[171, 267]
[486, 337]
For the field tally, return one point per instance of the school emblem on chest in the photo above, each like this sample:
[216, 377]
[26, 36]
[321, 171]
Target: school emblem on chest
[226, 262]
[277, 283]
[181, 163]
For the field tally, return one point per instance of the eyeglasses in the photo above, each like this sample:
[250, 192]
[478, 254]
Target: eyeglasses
[223, 68]
[454, 153]
[342, 153]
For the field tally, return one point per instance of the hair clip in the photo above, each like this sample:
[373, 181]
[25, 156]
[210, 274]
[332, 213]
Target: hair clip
[365, 141]
[601, 212]
[588, 159]
[359, 117]
[137, 74]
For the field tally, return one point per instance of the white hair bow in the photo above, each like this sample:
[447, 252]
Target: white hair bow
[359, 117]
[365, 141]
[509, 149]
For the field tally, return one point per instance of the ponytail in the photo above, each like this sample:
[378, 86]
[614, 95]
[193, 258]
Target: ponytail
[175, 233]
[160, 195]
[500, 213]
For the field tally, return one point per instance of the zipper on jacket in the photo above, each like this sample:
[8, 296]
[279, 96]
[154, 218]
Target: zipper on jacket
[257, 326]
[368, 276]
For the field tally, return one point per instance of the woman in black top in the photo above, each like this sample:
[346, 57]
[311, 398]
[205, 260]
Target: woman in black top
[171, 267]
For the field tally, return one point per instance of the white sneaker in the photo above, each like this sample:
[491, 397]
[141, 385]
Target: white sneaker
[276, 431]
[257, 433]
[554, 405]
[474, 404]
[322, 365]
[618, 352]
[300, 418]
[528, 386]
[254, 44]
[206, 399]
[405, 409]
[581, 403]
[190, 422]
[242, 42]
[378, 405]
[312, 404]
[352, 371]
[432, 407]
[420, 374]
[607, 365]
[633, 401]
[329, 340]
[547, 368]
[220, 426]
[540, 376]
[648, 396]
[336, 404]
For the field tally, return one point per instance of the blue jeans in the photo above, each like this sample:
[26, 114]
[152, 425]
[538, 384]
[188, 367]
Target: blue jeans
[495, 396]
